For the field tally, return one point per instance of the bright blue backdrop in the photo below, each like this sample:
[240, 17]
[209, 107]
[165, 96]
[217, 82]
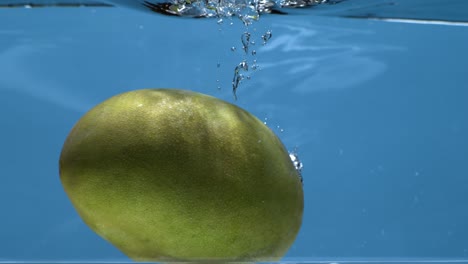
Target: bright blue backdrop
[378, 112]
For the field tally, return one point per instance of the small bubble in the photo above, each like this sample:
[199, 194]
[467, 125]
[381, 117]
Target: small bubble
[252, 42]
[244, 65]
[254, 52]
[248, 77]
[220, 21]
[233, 48]
[238, 76]
[267, 36]
[363, 244]
[245, 38]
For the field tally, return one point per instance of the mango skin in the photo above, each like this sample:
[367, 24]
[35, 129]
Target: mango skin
[174, 175]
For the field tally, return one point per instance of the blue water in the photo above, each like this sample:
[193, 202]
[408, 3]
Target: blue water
[377, 112]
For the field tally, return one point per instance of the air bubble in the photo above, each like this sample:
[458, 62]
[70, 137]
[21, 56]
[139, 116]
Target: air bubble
[255, 65]
[297, 164]
[245, 38]
[244, 65]
[238, 76]
[266, 37]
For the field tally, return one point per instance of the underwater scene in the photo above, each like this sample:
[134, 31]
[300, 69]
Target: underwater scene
[297, 131]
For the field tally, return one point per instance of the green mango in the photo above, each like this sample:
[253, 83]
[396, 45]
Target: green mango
[175, 175]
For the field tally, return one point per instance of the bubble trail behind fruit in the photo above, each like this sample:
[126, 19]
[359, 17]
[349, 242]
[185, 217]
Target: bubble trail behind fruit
[243, 67]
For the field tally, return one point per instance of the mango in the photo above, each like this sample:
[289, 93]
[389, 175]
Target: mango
[175, 175]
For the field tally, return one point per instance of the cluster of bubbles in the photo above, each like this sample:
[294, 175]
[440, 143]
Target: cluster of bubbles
[241, 70]
[293, 155]
[246, 10]
[297, 164]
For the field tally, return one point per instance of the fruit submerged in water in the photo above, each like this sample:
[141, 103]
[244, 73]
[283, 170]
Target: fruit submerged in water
[167, 174]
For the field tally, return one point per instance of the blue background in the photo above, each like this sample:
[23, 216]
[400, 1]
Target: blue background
[377, 111]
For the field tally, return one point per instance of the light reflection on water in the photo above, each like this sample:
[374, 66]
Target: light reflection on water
[317, 58]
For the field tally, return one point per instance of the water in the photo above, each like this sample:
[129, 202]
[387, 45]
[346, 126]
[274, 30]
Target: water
[375, 111]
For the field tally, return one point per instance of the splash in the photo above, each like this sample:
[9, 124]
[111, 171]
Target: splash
[246, 10]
